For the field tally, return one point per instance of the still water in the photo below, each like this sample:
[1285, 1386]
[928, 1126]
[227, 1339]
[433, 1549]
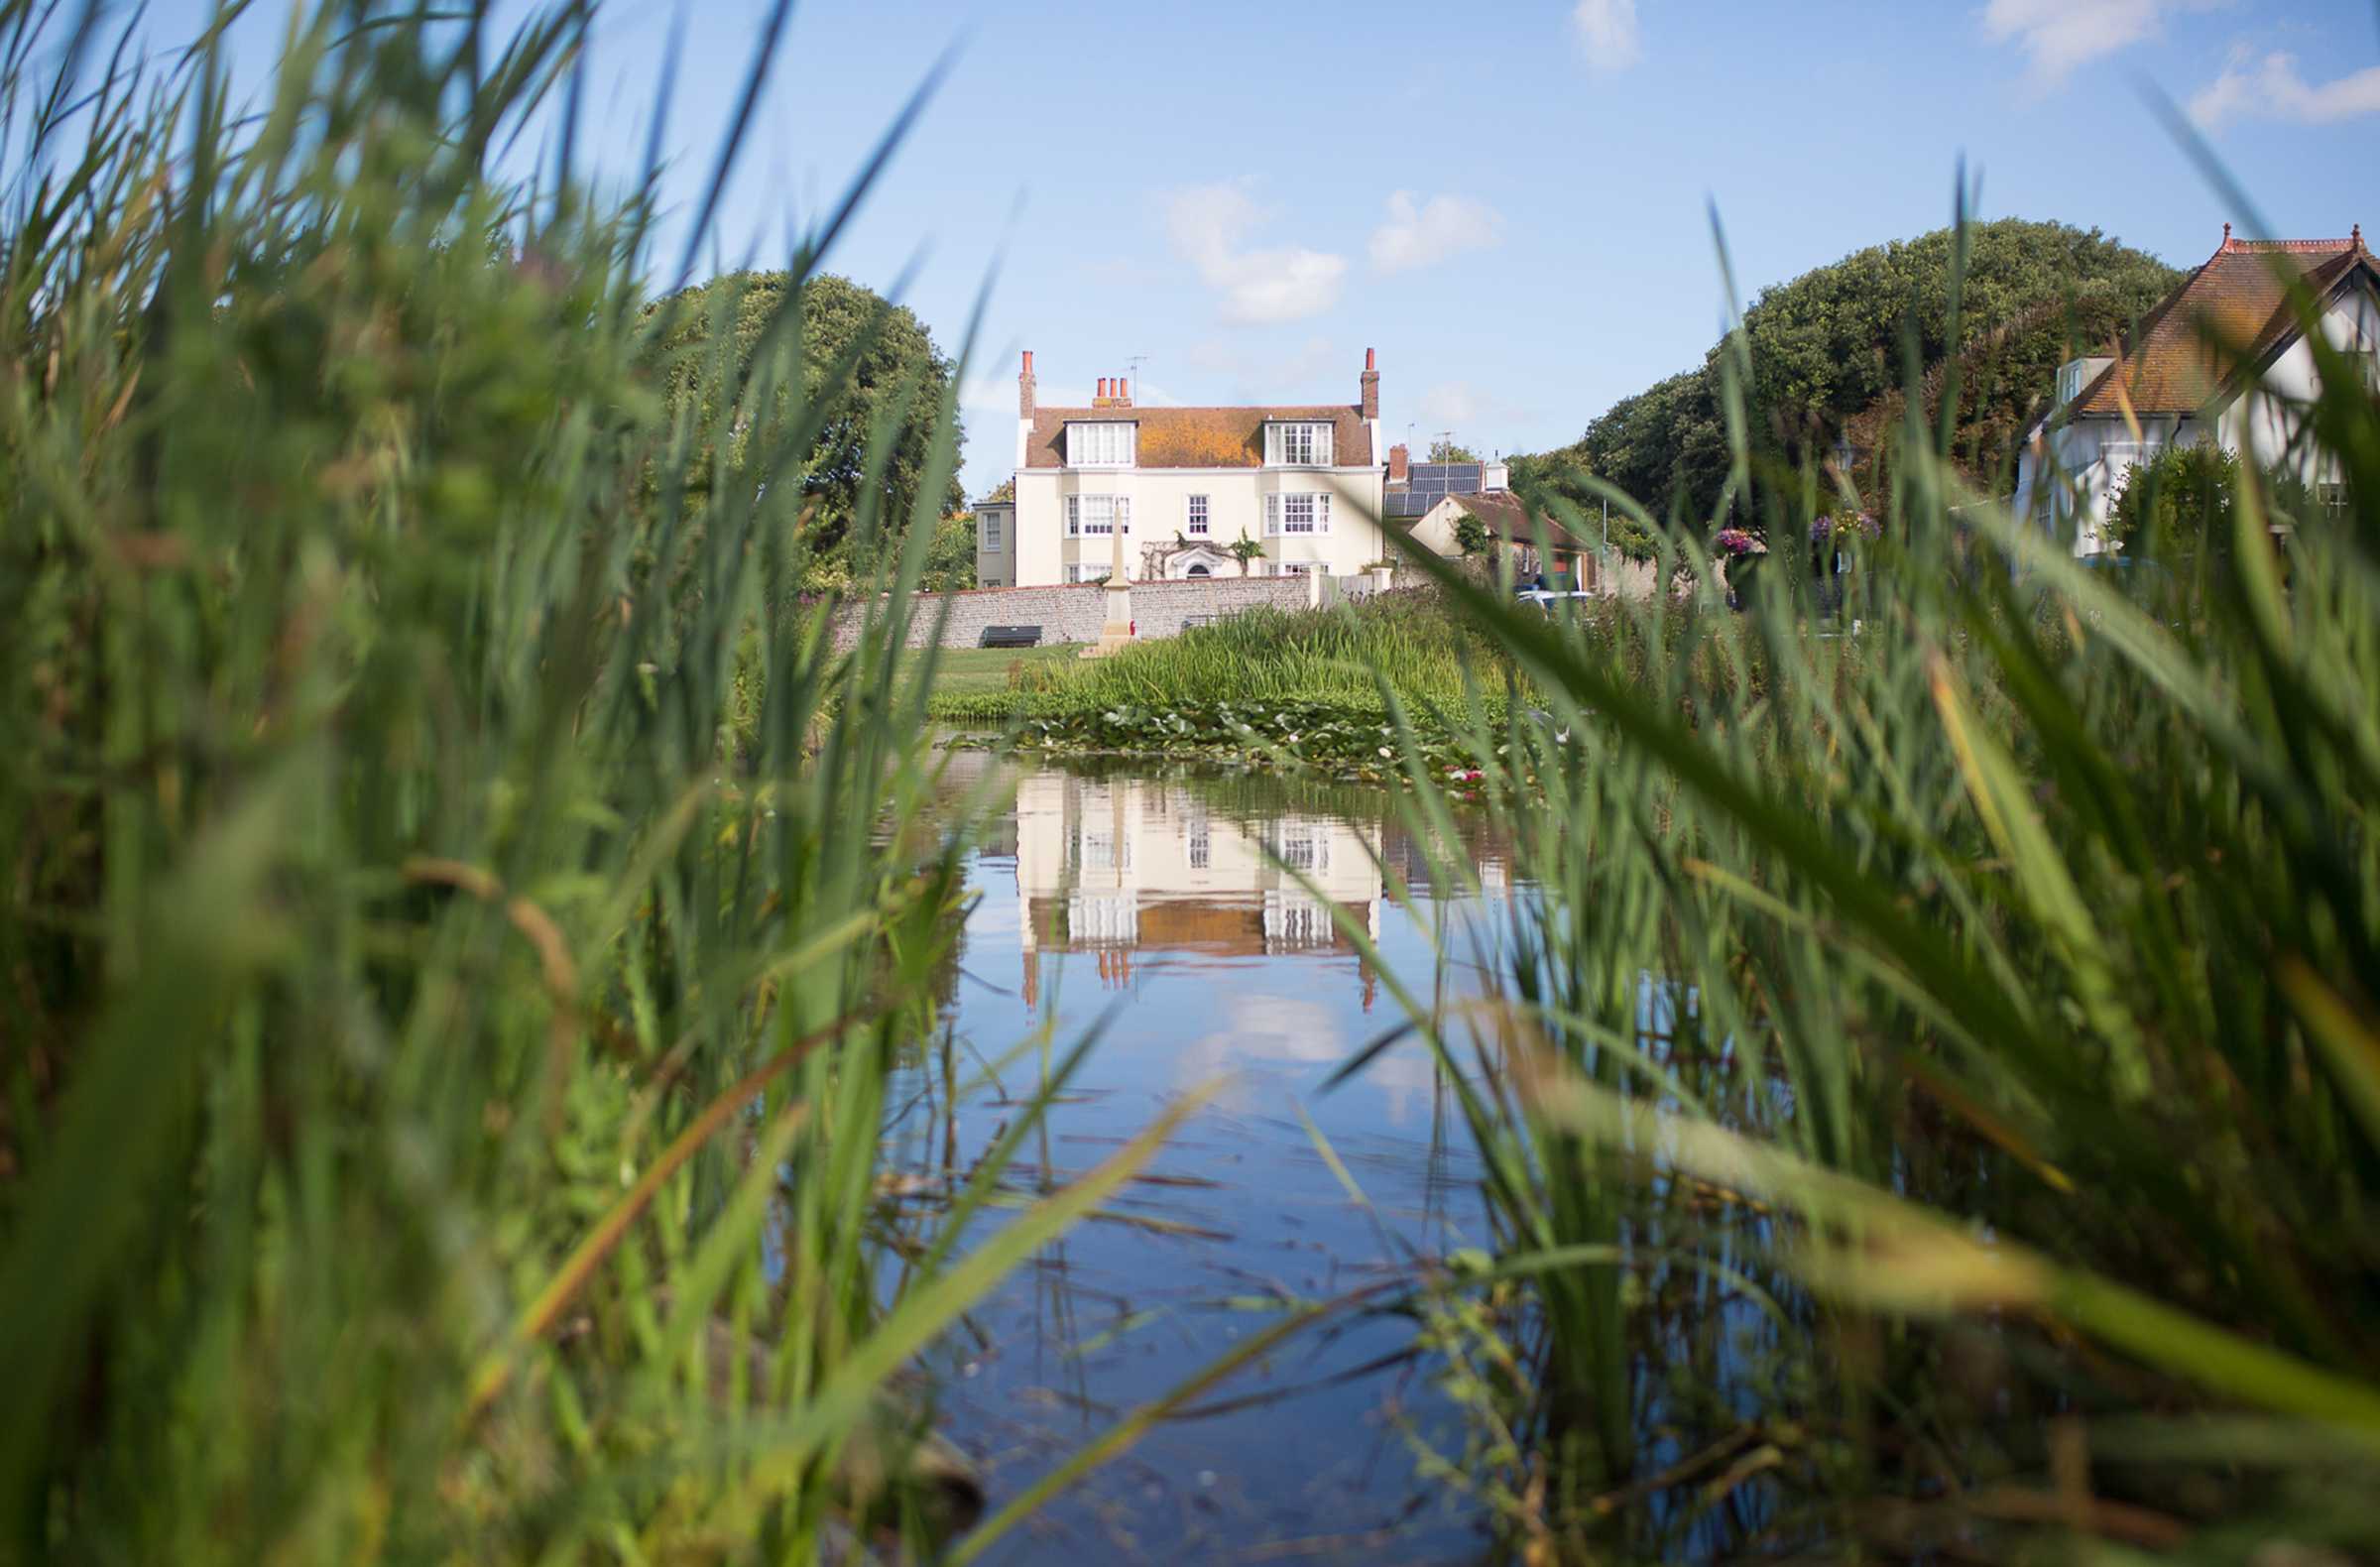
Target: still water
[1154, 906]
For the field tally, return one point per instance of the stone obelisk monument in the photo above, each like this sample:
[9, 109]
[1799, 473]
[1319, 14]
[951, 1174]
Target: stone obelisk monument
[1118, 630]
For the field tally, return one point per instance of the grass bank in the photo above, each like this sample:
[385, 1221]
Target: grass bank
[1278, 688]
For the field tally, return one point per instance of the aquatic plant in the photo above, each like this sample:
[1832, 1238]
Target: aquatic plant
[447, 1002]
[1934, 1104]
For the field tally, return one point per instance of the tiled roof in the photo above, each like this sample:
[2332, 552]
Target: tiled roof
[1506, 513]
[2232, 312]
[1201, 438]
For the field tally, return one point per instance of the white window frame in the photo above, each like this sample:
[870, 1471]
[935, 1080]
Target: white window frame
[1280, 513]
[1297, 443]
[1082, 522]
[1196, 516]
[1102, 443]
[988, 531]
[1074, 574]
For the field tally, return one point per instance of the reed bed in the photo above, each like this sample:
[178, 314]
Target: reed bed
[1932, 1110]
[460, 912]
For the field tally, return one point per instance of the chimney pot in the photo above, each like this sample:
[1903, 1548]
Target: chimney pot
[1372, 359]
[2227, 236]
[1124, 389]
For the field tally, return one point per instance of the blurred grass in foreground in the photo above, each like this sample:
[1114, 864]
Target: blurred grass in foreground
[1933, 1109]
[451, 957]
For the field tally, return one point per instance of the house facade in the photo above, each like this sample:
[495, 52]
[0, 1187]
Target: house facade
[1183, 485]
[2225, 360]
[996, 544]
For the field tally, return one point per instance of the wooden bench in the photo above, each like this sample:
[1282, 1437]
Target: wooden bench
[1011, 637]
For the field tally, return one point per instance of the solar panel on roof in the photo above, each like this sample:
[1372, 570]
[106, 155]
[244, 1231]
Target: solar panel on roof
[1451, 478]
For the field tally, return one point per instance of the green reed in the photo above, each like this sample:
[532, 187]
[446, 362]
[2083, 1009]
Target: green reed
[461, 912]
[1933, 1104]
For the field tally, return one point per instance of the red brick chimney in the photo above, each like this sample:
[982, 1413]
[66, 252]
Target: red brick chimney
[1024, 388]
[1371, 383]
[1400, 464]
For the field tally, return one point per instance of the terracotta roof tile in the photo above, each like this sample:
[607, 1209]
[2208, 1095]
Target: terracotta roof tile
[1506, 513]
[2230, 312]
[1201, 438]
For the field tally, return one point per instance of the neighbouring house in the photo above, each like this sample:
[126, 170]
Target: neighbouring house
[2225, 359]
[1184, 484]
[1429, 500]
[996, 544]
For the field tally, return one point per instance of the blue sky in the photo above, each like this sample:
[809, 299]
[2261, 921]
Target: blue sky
[1509, 202]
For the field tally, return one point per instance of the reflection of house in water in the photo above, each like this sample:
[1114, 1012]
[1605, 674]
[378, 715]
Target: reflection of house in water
[1110, 866]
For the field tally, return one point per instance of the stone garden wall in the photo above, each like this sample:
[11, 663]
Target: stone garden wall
[1075, 614]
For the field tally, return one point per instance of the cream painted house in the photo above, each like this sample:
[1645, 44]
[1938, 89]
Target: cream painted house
[2225, 359]
[1184, 484]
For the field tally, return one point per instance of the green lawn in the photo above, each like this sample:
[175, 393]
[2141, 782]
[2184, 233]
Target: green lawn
[978, 672]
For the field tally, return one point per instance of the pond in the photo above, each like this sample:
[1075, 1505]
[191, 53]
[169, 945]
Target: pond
[1153, 907]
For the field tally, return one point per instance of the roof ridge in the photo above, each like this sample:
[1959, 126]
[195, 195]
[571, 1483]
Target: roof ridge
[2289, 246]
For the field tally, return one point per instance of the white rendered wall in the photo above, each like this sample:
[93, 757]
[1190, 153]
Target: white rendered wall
[1161, 508]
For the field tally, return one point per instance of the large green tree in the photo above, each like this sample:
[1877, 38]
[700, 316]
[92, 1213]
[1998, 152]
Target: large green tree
[897, 374]
[1830, 352]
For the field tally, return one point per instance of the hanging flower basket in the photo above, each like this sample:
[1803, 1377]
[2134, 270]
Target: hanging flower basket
[1741, 554]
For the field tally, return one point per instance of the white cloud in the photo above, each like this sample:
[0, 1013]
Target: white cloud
[2060, 34]
[1209, 226]
[994, 391]
[1423, 234]
[1450, 404]
[1607, 31]
[1463, 408]
[2273, 88]
[1275, 375]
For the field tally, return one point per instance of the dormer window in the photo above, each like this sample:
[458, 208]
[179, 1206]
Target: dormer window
[2076, 374]
[1105, 444]
[1297, 445]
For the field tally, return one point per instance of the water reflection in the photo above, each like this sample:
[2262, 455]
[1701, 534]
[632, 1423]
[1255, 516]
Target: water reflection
[1170, 906]
[1108, 866]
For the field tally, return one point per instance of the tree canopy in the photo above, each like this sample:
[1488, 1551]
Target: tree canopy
[1447, 450]
[897, 374]
[1830, 351]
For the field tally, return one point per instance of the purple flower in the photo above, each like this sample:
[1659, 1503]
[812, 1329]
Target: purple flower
[1825, 528]
[1733, 542]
